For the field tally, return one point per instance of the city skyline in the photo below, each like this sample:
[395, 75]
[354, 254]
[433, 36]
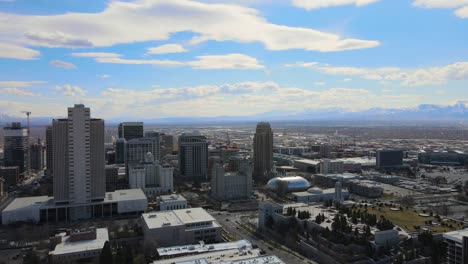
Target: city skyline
[348, 55]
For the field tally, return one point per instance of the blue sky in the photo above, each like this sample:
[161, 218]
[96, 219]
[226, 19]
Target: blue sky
[174, 58]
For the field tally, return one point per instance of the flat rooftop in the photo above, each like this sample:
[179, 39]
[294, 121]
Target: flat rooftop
[125, 195]
[172, 198]
[67, 247]
[27, 203]
[177, 217]
[203, 248]
[456, 235]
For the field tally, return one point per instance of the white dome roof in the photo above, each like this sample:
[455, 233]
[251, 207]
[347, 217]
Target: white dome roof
[294, 183]
[315, 190]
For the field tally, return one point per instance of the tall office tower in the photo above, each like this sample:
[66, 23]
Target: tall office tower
[78, 160]
[112, 175]
[131, 130]
[37, 156]
[16, 146]
[49, 155]
[137, 149]
[263, 151]
[193, 156]
[120, 151]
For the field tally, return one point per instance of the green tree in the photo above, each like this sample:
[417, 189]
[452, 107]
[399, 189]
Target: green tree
[106, 254]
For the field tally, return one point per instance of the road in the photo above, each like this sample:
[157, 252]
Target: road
[228, 222]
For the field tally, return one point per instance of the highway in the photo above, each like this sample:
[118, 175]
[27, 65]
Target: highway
[236, 232]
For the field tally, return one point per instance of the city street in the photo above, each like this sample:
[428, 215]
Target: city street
[236, 232]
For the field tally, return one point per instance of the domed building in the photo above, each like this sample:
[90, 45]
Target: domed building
[291, 183]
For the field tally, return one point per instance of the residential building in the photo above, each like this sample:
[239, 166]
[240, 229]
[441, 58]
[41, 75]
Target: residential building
[180, 227]
[130, 130]
[328, 166]
[172, 202]
[365, 188]
[262, 152]
[193, 156]
[16, 146]
[79, 245]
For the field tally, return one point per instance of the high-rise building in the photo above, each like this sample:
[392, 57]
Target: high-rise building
[137, 149]
[120, 151]
[130, 130]
[78, 160]
[16, 146]
[112, 176]
[457, 246]
[325, 151]
[262, 151]
[167, 145]
[227, 185]
[193, 156]
[389, 158]
[37, 156]
[49, 155]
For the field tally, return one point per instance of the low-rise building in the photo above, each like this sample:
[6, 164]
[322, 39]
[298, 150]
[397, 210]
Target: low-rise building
[172, 202]
[79, 246]
[180, 227]
[317, 195]
[365, 188]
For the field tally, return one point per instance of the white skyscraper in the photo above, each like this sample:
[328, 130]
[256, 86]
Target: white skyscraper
[78, 160]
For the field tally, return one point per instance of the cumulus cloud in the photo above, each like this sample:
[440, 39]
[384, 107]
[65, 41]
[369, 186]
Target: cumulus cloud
[407, 77]
[62, 64]
[316, 4]
[69, 90]
[103, 76]
[461, 5]
[207, 21]
[11, 51]
[168, 48]
[207, 62]
[15, 91]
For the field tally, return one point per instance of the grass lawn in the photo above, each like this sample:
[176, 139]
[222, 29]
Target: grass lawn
[407, 219]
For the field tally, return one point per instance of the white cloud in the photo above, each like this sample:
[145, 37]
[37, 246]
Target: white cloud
[11, 51]
[104, 76]
[168, 48]
[207, 62]
[96, 54]
[62, 64]
[17, 84]
[319, 83]
[462, 5]
[121, 22]
[301, 64]
[347, 79]
[15, 91]
[407, 77]
[316, 4]
[69, 90]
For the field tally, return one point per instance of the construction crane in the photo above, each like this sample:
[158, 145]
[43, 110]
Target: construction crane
[28, 159]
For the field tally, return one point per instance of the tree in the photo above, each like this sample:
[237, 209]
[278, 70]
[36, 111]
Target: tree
[106, 254]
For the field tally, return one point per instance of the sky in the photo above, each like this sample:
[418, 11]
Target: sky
[206, 58]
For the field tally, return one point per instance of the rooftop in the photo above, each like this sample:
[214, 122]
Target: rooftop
[27, 203]
[456, 235]
[202, 248]
[176, 217]
[67, 247]
[172, 198]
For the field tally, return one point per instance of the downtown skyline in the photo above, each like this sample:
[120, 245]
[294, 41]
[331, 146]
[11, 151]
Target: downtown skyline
[160, 59]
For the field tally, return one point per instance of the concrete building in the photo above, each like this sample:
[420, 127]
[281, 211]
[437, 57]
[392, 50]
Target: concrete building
[167, 145]
[43, 209]
[10, 175]
[138, 148]
[49, 152]
[230, 185]
[325, 151]
[112, 176]
[78, 149]
[193, 156]
[79, 245]
[172, 202]
[328, 166]
[262, 152]
[365, 188]
[389, 158]
[120, 150]
[37, 156]
[2, 188]
[316, 194]
[130, 130]
[238, 252]
[150, 176]
[180, 227]
[457, 246]
[15, 146]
